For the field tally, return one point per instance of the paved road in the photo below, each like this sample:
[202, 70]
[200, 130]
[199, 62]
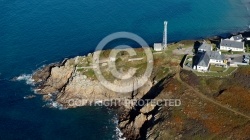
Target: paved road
[201, 95]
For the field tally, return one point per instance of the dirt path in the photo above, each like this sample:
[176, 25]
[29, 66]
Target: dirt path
[201, 95]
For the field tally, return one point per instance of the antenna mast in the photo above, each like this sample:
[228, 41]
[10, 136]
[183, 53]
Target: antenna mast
[164, 43]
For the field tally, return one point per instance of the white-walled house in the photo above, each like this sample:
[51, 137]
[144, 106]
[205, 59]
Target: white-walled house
[236, 46]
[203, 63]
[215, 57]
[208, 58]
[238, 38]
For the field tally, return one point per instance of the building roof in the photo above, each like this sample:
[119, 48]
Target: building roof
[204, 60]
[237, 37]
[233, 44]
[205, 46]
[215, 55]
[158, 46]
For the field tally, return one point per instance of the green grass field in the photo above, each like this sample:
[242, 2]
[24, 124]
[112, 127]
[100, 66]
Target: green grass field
[217, 74]
[216, 69]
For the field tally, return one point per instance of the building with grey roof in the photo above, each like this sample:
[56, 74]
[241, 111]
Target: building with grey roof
[203, 63]
[215, 55]
[207, 58]
[227, 45]
[205, 47]
[238, 38]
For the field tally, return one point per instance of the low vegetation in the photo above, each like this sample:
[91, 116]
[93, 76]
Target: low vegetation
[217, 68]
[247, 45]
[224, 73]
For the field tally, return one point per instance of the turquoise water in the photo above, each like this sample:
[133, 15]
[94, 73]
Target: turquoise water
[38, 32]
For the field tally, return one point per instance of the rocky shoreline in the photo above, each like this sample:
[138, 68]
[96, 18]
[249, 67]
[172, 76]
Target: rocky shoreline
[72, 80]
[62, 83]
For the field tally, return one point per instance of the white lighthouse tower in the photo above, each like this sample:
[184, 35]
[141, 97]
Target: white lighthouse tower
[165, 39]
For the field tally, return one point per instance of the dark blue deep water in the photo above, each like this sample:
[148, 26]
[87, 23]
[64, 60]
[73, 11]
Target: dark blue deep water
[38, 32]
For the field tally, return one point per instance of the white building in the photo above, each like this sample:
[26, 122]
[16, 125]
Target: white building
[203, 63]
[208, 58]
[215, 57]
[232, 45]
[158, 47]
[238, 38]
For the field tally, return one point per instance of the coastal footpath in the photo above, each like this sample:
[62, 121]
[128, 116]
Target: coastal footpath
[209, 108]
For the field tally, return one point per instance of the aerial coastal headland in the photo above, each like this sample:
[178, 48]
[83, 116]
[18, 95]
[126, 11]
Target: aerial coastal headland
[213, 104]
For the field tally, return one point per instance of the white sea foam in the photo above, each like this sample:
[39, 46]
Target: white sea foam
[25, 77]
[36, 91]
[118, 132]
[54, 104]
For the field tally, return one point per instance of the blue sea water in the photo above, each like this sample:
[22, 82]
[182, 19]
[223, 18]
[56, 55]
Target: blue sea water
[38, 32]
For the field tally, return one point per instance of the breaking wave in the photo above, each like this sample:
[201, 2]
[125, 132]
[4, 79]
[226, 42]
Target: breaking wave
[54, 104]
[118, 133]
[25, 77]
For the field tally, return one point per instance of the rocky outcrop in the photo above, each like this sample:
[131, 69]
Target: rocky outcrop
[64, 83]
[57, 80]
[136, 122]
